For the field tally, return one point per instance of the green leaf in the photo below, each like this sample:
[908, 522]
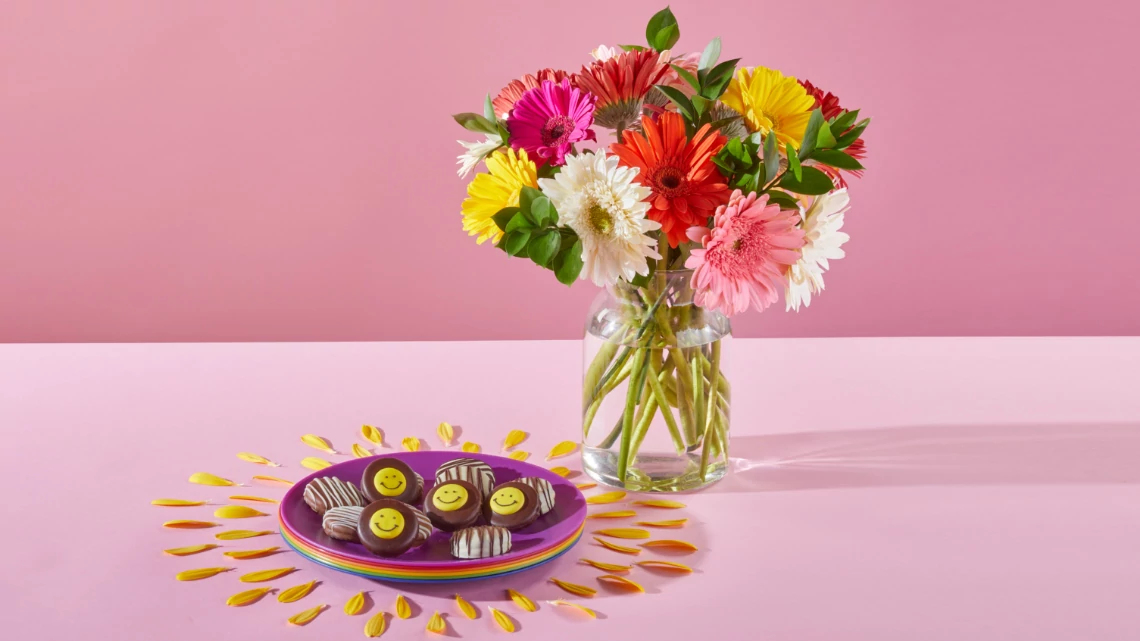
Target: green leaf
[679, 99]
[771, 156]
[824, 140]
[568, 263]
[687, 77]
[527, 197]
[811, 133]
[846, 139]
[519, 221]
[544, 246]
[794, 162]
[489, 110]
[721, 71]
[837, 159]
[701, 105]
[710, 54]
[515, 242]
[542, 210]
[843, 122]
[662, 31]
[504, 216]
[475, 122]
[504, 135]
[632, 47]
[640, 280]
[783, 199]
[813, 183]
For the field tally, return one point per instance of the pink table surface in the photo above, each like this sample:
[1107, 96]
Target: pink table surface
[918, 488]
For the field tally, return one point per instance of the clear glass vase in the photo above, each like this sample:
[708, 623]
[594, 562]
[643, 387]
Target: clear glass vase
[651, 419]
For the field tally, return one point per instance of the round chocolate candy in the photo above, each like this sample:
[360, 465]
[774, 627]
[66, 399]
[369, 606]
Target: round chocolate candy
[389, 527]
[391, 478]
[453, 505]
[511, 505]
[341, 522]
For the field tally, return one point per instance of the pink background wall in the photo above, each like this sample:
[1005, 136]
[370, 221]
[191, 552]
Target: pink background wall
[285, 171]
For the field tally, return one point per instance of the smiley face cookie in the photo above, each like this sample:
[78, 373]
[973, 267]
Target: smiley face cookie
[512, 505]
[390, 478]
[453, 505]
[389, 527]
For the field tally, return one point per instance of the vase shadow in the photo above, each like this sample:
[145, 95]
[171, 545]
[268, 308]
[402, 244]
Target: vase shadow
[1011, 454]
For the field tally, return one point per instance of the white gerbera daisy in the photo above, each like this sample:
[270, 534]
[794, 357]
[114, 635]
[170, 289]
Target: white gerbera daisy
[476, 151]
[822, 242]
[600, 201]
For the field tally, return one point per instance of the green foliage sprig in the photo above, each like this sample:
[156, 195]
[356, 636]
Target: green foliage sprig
[531, 231]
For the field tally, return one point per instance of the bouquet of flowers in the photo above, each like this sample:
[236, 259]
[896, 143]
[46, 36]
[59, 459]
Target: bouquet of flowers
[733, 177]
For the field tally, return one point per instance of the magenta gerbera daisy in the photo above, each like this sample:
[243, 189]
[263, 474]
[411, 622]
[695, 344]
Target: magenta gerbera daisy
[745, 255]
[550, 118]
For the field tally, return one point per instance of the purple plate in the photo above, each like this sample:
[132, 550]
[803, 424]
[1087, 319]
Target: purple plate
[551, 529]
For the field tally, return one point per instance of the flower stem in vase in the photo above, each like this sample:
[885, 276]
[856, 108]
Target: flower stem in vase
[713, 411]
[633, 393]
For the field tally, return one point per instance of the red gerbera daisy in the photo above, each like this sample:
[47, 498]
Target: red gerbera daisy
[828, 103]
[687, 188]
[512, 92]
[621, 84]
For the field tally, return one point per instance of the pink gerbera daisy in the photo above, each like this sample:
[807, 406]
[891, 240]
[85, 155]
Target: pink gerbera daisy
[745, 254]
[550, 118]
[511, 93]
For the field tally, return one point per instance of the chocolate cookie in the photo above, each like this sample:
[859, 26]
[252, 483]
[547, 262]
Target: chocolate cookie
[326, 492]
[474, 472]
[453, 505]
[512, 505]
[389, 527]
[341, 522]
[545, 492]
[480, 542]
[391, 478]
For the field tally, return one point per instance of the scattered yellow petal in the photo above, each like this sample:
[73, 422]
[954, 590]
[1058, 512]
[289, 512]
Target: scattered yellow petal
[574, 588]
[466, 607]
[237, 512]
[297, 592]
[247, 597]
[251, 554]
[607, 567]
[582, 608]
[411, 444]
[189, 525]
[202, 478]
[505, 622]
[403, 610]
[355, 605]
[514, 437]
[624, 533]
[360, 452]
[266, 575]
[200, 573]
[586, 486]
[436, 624]
[246, 497]
[233, 535]
[254, 458]
[176, 503]
[562, 449]
[372, 434]
[665, 565]
[617, 548]
[522, 601]
[314, 463]
[271, 479]
[671, 544]
[519, 455]
[616, 514]
[317, 443]
[190, 549]
[621, 581]
[301, 618]
[673, 523]
[377, 624]
[608, 497]
[471, 448]
[671, 505]
[561, 471]
[446, 433]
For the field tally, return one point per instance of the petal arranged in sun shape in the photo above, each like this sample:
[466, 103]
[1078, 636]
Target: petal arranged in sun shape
[272, 479]
[247, 597]
[266, 575]
[190, 549]
[581, 608]
[372, 434]
[612, 568]
[233, 535]
[318, 443]
[255, 458]
[522, 600]
[376, 625]
[468, 610]
[562, 449]
[176, 503]
[237, 512]
[471, 448]
[199, 574]
[505, 622]
[514, 437]
[297, 592]
[622, 582]
[607, 497]
[183, 524]
[355, 605]
[446, 433]
[574, 588]
[202, 478]
[403, 609]
[305, 616]
[251, 554]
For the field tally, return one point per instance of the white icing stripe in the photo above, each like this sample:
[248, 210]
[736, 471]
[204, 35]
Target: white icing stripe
[474, 472]
[328, 492]
[480, 542]
[543, 489]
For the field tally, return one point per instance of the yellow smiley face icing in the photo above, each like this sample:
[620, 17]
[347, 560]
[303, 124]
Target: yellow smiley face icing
[386, 523]
[390, 482]
[507, 500]
[450, 497]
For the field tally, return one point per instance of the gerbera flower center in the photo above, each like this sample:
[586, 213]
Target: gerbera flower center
[557, 130]
[748, 247]
[669, 181]
[600, 219]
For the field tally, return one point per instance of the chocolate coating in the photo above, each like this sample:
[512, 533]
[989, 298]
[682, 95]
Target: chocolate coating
[453, 505]
[407, 530]
[511, 505]
[480, 542]
[391, 478]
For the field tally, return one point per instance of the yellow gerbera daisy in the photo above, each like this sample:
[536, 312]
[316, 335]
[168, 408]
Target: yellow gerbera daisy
[507, 173]
[770, 101]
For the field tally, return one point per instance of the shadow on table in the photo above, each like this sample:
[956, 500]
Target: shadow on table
[1017, 454]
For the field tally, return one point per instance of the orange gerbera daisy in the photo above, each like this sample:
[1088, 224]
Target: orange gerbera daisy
[687, 188]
